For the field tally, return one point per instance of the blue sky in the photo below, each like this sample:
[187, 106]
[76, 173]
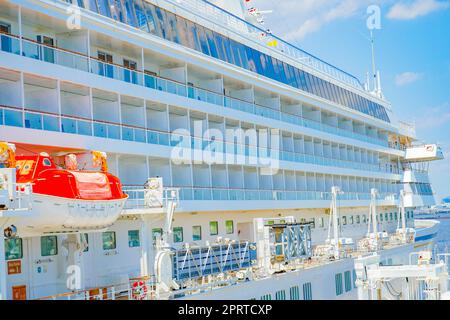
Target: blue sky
[412, 53]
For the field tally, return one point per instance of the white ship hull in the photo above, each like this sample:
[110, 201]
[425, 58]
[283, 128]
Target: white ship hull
[57, 215]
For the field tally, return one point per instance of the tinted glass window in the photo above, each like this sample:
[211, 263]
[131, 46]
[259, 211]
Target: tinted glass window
[141, 19]
[13, 249]
[92, 5]
[172, 27]
[129, 11]
[117, 11]
[203, 41]
[152, 20]
[211, 43]
[104, 9]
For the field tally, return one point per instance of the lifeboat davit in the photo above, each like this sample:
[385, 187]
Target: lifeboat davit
[66, 200]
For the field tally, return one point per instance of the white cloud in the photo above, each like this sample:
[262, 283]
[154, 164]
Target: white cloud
[416, 8]
[406, 78]
[295, 19]
[434, 117]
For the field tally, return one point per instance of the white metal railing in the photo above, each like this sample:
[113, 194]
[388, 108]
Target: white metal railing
[137, 197]
[136, 289]
[39, 120]
[14, 196]
[78, 61]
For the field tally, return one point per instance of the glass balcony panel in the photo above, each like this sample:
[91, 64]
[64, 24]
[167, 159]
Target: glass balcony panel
[33, 121]
[84, 128]
[68, 125]
[51, 123]
[100, 130]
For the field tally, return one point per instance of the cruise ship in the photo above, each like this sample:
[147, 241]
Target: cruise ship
[177, 149]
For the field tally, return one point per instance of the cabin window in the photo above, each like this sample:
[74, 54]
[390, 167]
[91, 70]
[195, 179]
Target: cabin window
[49, 246]
[338, 284]
[213, 228]
[307, 291]
[13, 249]
[109, 240]
[348, 281]
[133, 239]
[196, 233]
[156, 233]
[229, 226]
[178, 234]
[46, 162]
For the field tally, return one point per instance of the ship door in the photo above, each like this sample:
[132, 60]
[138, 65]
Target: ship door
[17, 268]
[46, 51]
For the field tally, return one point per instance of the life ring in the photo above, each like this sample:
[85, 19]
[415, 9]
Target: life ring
[139, 290]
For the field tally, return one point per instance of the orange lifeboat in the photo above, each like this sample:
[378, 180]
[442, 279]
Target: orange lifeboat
[66, 200]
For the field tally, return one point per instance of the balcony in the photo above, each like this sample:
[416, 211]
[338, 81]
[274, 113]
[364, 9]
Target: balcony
[38, 120]
[232, 194]
[50, 54]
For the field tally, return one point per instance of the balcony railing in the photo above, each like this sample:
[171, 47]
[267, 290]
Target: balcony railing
[232, 194]
[70, 59]
[18, 117]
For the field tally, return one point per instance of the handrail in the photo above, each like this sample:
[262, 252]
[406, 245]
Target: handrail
[252, 147]
[280, 113]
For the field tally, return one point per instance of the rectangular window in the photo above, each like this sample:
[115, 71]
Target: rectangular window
[109, 240]
[133, 239]
[358, 219]
[344, 220]
[351, 220]
[178, 234]
[338, 284]
[49, 246]
[348, 281]
[13, 249]
[354, 278]
[214, 228]
[229, 226]
[386, 216]
[307, 291]
[196, 233]
[294, 293]
[280, 295]
[156, 233]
